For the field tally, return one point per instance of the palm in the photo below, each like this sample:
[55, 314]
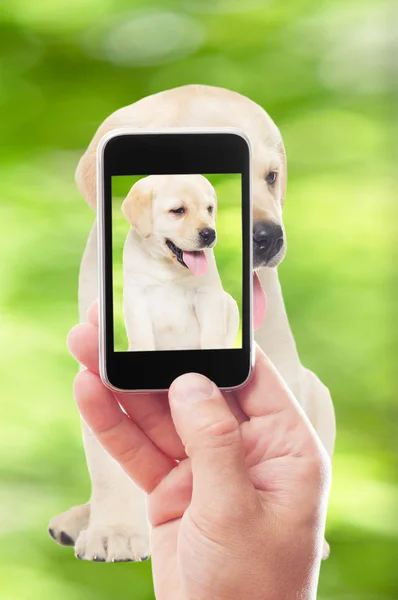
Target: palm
[173, 533]
[279, 457]
[164, 560]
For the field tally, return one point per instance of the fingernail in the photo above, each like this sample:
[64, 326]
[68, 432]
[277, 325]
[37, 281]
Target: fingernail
[191, 388]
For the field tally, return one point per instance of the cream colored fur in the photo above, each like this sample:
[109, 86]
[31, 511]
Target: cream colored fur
[114, 528]
[166, 307]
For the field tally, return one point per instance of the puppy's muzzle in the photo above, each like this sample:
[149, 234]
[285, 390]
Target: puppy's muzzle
[267, 242]
[207, 237]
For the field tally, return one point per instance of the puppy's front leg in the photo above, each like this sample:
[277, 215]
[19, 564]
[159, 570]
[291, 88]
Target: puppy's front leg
[114, 526]
[138, 320]
[218, 317]
[118, 529]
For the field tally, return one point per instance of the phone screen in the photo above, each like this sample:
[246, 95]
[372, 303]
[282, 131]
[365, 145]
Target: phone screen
[177, 261]
[175, 243]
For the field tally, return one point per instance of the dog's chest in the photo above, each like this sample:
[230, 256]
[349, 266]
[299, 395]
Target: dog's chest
[173, 316]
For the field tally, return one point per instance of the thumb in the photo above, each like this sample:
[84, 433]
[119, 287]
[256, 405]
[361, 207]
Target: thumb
[211, 436]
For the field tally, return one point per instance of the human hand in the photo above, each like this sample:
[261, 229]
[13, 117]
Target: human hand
[237, 482]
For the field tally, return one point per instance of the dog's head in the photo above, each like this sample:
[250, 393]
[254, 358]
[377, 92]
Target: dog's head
[206, 106]
[177, 212]
[269, 187]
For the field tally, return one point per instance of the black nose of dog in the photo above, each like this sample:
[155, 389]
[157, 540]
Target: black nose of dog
[207, 236]
[267, 241]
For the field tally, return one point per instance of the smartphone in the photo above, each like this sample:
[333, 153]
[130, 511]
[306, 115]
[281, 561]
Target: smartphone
[175, 257]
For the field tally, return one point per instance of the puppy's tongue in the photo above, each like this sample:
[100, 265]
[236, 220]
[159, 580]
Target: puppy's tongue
[196, 262]
[259, 302]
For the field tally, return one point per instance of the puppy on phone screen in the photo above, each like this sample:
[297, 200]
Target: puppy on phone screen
[173, 297]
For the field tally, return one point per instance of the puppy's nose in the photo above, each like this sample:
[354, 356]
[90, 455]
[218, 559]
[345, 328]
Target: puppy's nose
[267, 241]
[207, 236]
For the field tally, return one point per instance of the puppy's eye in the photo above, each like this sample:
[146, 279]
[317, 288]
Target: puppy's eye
[271, 177]
[210, 209]
[178, 211]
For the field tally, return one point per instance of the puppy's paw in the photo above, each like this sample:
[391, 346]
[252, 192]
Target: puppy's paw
[325, 550]
[66, 527]
[112, 544]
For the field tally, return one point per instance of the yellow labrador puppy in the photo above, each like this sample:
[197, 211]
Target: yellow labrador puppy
[170, 272]
[113, 526]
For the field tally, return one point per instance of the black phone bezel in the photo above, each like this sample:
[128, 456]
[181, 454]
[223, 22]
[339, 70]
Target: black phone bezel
[153, 153]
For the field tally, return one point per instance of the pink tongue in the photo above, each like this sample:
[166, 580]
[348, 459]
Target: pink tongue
[196, 262]
[259, 302]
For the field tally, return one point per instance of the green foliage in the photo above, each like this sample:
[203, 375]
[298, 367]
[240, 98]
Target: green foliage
[323, 71]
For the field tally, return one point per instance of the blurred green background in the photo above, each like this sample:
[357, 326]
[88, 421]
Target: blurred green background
[324, 70]
[228, 250]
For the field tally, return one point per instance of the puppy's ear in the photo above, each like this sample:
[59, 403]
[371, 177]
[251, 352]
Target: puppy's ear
[85, 178]
[283, 174]
[137, 206]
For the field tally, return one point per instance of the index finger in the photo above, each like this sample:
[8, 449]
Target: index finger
[267, 393]
[138, 456]
[151, 412]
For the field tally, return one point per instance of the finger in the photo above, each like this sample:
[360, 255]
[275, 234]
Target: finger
[82, 342]
[278, 426]
[118, 434]
[173, 495]
[266, 393]
[211, 436]
[235, 407]
[151, 412]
